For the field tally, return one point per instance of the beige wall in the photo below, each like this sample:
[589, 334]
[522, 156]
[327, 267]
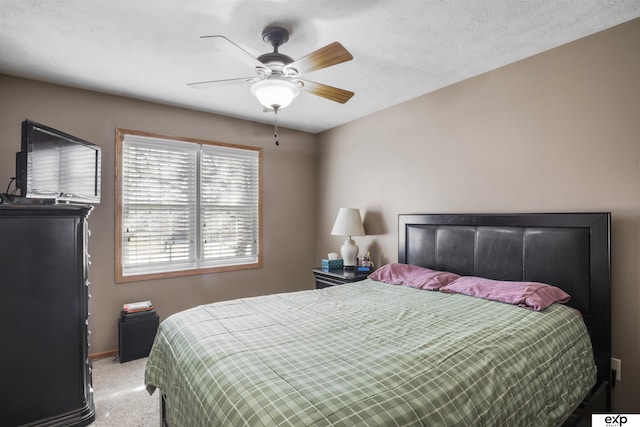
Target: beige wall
[556, 132]
[289, 173]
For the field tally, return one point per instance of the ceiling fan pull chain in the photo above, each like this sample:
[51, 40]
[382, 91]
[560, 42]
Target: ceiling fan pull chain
[275, 134]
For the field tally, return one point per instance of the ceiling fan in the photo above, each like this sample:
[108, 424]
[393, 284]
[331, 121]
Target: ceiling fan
[278, 80]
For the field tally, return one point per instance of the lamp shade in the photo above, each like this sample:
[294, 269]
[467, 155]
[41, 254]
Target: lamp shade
[274, 92]
[348, 223]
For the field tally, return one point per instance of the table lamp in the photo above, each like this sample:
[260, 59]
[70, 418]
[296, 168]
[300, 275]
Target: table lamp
[348, 223]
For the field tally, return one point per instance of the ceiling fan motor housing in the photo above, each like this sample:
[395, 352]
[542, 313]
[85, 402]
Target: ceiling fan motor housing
[275, 59]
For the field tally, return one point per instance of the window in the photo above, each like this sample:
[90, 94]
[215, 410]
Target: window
[185, 206]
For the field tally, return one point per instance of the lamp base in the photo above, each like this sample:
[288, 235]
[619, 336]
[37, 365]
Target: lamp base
[349, 251]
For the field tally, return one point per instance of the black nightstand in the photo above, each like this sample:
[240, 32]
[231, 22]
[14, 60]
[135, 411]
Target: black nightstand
[337, 276]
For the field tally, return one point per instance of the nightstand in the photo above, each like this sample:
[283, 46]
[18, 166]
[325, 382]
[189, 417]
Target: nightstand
[337, 276]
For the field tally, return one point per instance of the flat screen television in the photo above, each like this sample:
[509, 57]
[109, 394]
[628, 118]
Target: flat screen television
[57, 167]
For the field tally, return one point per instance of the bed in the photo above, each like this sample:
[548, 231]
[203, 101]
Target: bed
[373, 353]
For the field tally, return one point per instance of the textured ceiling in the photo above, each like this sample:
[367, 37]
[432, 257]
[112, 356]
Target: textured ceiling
[150, 49]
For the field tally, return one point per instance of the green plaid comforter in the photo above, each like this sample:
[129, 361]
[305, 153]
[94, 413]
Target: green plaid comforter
[370, 354]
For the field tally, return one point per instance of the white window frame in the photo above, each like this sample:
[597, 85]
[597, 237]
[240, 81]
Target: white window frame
[197, 251]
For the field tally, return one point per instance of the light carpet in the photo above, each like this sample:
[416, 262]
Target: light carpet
[120, 396]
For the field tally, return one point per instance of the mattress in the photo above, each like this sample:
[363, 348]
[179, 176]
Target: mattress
[370, 354]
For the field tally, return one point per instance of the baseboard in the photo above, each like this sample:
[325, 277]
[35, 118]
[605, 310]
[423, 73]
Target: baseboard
[102, 355]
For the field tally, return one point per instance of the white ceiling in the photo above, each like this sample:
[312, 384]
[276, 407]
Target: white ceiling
[150, 49]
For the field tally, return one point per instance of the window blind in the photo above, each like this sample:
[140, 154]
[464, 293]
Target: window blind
[158, 205]
[229, 204]
[187, 205]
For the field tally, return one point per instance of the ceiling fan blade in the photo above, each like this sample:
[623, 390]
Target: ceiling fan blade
[214, 83]
[328, 92]
[324, 57]
[223, 43]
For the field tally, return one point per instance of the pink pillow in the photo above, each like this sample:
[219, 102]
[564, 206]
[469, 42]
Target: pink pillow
[532, 295]
[413, 276]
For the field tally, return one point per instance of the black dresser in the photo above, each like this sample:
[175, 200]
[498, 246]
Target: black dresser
[45, 372]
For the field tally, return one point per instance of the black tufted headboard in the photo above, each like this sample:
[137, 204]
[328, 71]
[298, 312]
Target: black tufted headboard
[567, 250]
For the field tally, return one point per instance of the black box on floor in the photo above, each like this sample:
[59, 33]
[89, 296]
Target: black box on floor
[136, 332]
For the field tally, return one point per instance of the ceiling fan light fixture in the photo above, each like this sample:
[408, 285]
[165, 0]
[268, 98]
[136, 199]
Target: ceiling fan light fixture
[275, 93]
